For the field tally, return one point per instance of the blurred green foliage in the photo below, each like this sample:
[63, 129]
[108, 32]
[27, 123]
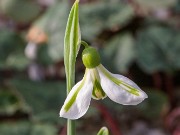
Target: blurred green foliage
[53, 22]
[115, 52]
[103, 15]
[41, 101]
[10, 102]
[12, 50]
[27, 128]
[158, 49]
[22, 11]
[42, 96]
[155, 4]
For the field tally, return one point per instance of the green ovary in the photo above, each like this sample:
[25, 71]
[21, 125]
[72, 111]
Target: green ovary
[90, 57]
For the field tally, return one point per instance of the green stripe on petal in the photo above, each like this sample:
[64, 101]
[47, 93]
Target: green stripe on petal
[126, 86]
[131, 90]
[78, 100]
[73, 98]
[119, 88]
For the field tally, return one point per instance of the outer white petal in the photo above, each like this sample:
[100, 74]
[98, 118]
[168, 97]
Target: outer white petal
[82, 102]
[117, 93]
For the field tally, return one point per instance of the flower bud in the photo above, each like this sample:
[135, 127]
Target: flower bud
[90, 57]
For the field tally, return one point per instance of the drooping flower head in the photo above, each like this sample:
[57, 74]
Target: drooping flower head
[99, 83]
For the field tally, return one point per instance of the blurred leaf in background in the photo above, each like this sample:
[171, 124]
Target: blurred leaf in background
[45, 98]
[12, 50]
[177, 6]
[22, 11]
[158, 49]
[120, 51]
[43, 56]
[27, 128]
[155, 4]
[156, 105]
[15, 128]
[53, 23]
[102, 15]
[11, 102]
[43, 129]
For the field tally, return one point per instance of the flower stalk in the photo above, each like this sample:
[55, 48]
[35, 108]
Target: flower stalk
[71, 48]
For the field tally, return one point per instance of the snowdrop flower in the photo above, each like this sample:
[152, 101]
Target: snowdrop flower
[98, 83]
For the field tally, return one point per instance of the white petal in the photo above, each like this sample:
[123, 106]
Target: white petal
[82, 101]
[120, 93]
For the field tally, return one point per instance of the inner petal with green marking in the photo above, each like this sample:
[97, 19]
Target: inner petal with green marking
[98, 92]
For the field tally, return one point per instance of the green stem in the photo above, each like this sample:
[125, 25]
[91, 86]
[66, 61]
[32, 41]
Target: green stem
[85, 44]
[71, 127]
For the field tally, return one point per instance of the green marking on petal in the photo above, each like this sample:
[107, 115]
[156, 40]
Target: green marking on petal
[118, 82]
[98, 92]
[131, 90]
[73, 98]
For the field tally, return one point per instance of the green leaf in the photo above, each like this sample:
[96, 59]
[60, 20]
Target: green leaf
[17, 60]
[43, 56]
[50, 95]
[12, 50]
[22, 11]
[15, 128]
[53, 23]
[27, 128]
[156, 104]
[9, 41]
[11, 102]
[102, 15]
[103, 131]
[176, 7]
[44, 129]
[155, 4]
[71, 44]
[122, 51]
[158, 49]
